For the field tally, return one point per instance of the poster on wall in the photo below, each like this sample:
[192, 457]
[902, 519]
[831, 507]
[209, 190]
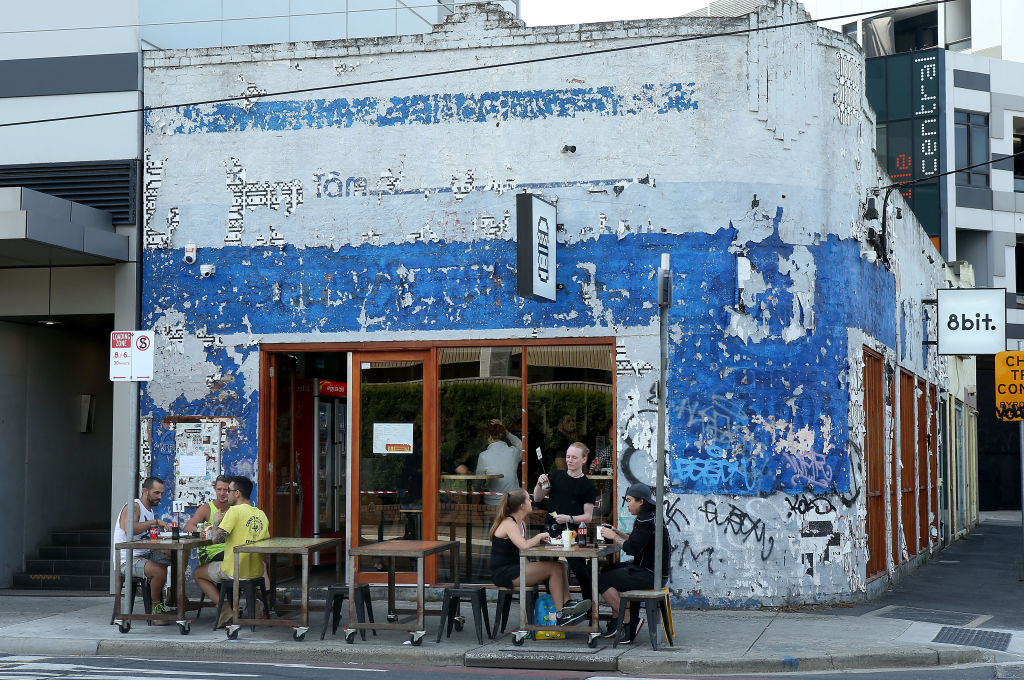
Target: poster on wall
[392, 438]
[196, 462]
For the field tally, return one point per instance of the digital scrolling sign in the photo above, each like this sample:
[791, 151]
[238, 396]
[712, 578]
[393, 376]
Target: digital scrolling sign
[904, 90]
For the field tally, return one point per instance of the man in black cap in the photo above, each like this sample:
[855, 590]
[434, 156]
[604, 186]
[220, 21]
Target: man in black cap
[637, 574]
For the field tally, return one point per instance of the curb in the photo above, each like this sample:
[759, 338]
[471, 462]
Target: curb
[36, 646]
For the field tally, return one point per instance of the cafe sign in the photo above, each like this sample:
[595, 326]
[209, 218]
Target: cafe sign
[536, 246]
[1010, 386]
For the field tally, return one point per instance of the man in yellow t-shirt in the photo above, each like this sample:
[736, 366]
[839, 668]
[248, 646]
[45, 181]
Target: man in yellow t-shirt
[240, 525]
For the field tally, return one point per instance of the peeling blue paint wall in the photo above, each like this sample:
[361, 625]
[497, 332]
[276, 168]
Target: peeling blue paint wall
[389, 215]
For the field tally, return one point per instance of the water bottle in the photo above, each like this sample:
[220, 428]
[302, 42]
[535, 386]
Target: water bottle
[175, 534]
[581, 534]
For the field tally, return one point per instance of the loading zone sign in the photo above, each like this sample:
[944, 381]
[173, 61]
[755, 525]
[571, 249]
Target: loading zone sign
[131, 355]
[971, 320]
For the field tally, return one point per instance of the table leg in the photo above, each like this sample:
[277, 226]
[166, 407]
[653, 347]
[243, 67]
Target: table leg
[273, 582]
[391, 587]
[419, 593]
[594, 618]
[305, 590]
[455, 565]
[234, 590]
[179, 584]
[522, 590]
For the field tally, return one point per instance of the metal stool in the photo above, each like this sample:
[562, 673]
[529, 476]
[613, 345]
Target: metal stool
[147, 598]
[336, 596]
[248, 588]
[453, 597]
[504, 606]
[656, 605]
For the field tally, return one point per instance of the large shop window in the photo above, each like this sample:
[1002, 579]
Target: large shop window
[497, 406]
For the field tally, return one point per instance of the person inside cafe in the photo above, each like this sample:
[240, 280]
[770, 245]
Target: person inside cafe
[151, 564]
[215, 552]
[503, 456]
[571, 498]
[638, 573]
[508, 537]
[242, 524]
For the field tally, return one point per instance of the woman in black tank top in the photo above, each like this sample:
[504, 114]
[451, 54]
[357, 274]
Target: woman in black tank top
[508, 537]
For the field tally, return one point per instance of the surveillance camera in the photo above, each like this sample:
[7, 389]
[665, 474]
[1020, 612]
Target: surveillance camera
[207, 270]
[190, 254]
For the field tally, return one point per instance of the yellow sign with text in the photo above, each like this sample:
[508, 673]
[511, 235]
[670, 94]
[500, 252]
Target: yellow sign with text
[1010, 385]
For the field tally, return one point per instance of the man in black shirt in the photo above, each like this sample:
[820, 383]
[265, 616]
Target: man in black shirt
[572, 498]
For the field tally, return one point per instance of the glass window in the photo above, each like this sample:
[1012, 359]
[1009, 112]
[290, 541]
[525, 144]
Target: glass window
[971, 141]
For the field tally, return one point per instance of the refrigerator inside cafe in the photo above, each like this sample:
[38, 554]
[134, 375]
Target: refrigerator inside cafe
[321, 416]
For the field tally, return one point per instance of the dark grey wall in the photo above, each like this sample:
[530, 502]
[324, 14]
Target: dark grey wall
[80, 74]
[13, 372]
[51, 475]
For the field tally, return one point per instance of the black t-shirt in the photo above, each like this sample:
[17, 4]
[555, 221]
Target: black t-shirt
[568, 494]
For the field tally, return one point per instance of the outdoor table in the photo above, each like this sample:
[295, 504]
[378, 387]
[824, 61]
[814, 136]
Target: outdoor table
[590, 552]
[469, 479]
[418, 550]
[181, 549]
[283, 546]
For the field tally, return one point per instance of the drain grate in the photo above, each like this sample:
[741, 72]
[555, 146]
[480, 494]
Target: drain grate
[989, 639]
[929, 616]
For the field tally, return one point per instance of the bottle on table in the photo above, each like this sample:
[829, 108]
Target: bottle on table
[153, 532]
[581, 534]
[175, 532]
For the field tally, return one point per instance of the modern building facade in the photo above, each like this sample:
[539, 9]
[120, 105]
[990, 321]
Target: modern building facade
[334, 281]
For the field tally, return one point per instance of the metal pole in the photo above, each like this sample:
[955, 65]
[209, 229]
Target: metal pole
[1021, 436]
[664, 302]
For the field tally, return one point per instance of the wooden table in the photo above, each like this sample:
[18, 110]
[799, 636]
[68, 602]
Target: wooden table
[283, 546]
[590, 552]
[180, 549]
[469, 479]
[418, 550]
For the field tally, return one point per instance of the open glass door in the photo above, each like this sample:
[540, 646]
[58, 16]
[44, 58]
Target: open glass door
[394, 452]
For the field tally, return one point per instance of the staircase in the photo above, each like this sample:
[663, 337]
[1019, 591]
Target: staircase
[74, 560]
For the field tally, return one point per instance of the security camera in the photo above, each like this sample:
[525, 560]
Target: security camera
[190, 254]
[207, 270]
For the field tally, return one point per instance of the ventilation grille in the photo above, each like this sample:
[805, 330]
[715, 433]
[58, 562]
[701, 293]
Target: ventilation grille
[106, 185]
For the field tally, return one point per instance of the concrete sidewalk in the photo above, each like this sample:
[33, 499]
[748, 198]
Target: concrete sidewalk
[977, 610]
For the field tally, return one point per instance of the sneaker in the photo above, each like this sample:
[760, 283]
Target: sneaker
[630, 632]
[569, 619]
[611, 629]
[159, 608]
[225, 617]
[576, 607]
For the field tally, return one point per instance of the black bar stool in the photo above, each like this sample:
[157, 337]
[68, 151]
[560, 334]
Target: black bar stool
[147, 598]
[656, 605]
[453, 597]
[249, 588]
[336, 596]
[504, 607]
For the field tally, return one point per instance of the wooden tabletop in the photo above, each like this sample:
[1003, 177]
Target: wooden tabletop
[401, 548]
[289, 545]
[469, 477]
[163, 543]
[556, 550]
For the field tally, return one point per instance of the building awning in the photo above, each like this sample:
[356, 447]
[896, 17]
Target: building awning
[39, 230]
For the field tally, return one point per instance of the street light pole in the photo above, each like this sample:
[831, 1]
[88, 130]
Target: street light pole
[664, 302]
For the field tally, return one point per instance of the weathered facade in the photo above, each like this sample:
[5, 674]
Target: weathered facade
[385, 213]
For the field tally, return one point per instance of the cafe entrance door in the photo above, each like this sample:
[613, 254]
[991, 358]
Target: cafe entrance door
[394, 455]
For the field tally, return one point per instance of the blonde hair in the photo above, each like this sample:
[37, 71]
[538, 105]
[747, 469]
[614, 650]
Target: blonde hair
[510, 502]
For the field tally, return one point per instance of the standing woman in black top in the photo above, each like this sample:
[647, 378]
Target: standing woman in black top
[638, 573]
[572, 500]
[508, 537]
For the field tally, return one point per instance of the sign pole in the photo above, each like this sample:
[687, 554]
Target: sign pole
[1009, 398]
[664, 302]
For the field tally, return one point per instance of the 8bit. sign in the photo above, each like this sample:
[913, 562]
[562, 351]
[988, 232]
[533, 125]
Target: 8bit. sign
[971, 321]
[131, 355]
[1010, 386]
